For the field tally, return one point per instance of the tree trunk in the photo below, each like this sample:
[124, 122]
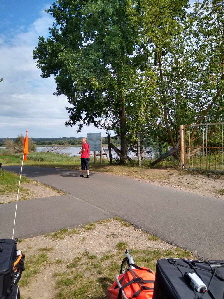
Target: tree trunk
[123, 157]
[118, 152]
[170, 152]
[165, 108]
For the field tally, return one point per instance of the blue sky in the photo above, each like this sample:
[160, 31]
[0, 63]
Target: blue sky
[26, 100]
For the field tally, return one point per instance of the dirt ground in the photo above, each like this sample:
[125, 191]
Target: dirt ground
[104, 236]
[209, 184]
[30, 191]
[98, 241]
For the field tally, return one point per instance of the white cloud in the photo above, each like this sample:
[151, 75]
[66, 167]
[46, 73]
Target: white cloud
[26, 100]
[29, 102]
[44, 127]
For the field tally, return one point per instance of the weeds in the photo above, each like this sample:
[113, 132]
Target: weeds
[88, 274]
[46, 249]
[88, 279]
[89, 226]
[121, 246]
[61, 234]
[220, 191]
[9, 183]
[153, 238]
[34, 265]
[122, 221]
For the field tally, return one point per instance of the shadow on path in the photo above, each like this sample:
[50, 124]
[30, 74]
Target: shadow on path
[36, 171]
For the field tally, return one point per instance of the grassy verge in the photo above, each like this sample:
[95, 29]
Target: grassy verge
[9, 182]
[40, 159]
[88, 272]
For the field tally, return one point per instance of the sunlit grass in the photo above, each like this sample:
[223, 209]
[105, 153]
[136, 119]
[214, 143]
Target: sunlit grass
[9, 182]
[89, 275]
[40, 159]
[33, 265]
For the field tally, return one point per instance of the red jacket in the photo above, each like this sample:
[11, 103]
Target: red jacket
[85, 150]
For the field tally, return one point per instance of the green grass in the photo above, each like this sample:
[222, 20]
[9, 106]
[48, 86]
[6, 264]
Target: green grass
[153, 238]
[33, 265]
[7, 159]
[209, 162]
[220, 191]
[89, 275]
[9, 182]
[40, 159]
[123, 222]
[89, 226]
[52, 159]
[61, 234]
[121, 246]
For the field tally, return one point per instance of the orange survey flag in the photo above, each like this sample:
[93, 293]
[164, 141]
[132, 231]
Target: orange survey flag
[26, 147]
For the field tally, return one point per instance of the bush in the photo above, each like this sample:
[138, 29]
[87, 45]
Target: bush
[16, 146]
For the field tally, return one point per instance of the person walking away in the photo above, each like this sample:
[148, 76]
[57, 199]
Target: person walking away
[85, 158]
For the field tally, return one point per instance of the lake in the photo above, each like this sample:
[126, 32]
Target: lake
[74, 151]
[71, 151]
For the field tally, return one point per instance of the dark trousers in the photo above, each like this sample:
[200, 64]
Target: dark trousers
[85, 163]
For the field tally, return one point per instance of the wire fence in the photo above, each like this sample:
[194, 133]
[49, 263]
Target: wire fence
[203, 146]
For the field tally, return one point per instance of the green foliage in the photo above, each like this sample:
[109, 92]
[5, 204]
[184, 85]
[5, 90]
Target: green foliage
[99, 52]
[16, 145]
[137, 67]
[189, 68]
[64, 141]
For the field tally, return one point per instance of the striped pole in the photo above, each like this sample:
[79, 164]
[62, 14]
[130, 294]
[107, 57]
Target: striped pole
[17, 199]
[25, 153]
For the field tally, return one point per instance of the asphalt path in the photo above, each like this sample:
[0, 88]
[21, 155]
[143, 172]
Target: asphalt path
[181, 218]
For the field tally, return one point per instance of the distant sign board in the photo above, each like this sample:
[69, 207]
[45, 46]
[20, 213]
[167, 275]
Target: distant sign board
[94, 140]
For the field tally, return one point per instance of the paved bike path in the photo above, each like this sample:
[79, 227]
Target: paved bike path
[181, 218]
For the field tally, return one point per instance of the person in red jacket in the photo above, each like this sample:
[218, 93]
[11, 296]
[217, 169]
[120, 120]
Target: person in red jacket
[85, 158]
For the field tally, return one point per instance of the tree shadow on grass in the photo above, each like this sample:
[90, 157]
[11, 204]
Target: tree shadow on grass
[105, 284]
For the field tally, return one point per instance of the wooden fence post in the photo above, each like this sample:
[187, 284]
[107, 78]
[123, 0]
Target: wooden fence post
[182, 146]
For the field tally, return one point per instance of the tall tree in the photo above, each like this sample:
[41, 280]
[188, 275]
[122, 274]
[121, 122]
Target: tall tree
[190, 72]
[164, 37]
[208, 32]
[99, 53]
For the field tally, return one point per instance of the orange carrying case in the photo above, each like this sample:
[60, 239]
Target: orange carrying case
[134, 283]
